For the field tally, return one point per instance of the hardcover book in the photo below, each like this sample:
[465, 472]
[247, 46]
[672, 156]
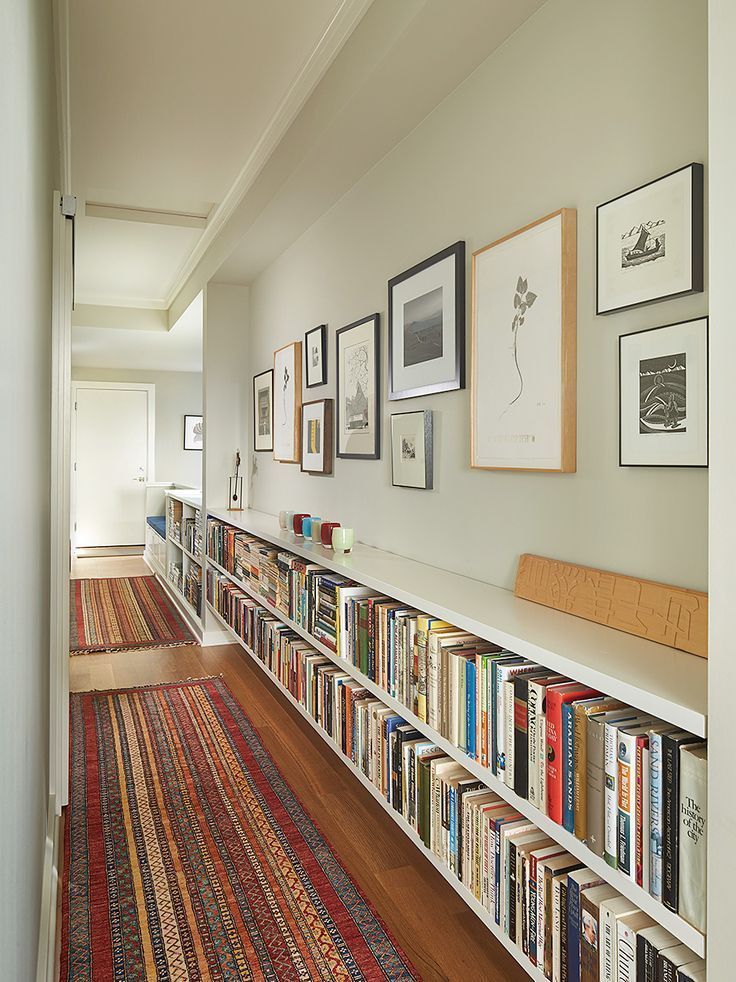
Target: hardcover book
[671, 745]
[556, 697]
[610, 912]
[592, 899]
[693, 833]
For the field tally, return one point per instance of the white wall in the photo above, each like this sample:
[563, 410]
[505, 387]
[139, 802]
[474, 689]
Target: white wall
[28, 165]
[177, 394]
[584, 102]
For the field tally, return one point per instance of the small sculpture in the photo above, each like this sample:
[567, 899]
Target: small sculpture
[235, 488]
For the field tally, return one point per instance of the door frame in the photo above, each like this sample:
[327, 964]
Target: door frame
[150, 389]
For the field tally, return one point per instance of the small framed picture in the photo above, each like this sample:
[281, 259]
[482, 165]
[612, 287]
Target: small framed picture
[263, 411]
[411, 449]
[649, 242]
[193, 433]
[663, 386]
[426, 326]
[287, 401]
[317, 436]
[358, 389]
[315, 356]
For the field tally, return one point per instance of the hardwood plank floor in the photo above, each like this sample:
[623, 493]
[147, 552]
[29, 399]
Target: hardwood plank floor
[440, 934]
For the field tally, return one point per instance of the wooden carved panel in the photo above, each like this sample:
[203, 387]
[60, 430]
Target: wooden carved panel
[667, 614]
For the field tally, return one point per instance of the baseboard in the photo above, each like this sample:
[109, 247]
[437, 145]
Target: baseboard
[46, 960]
[92, 552]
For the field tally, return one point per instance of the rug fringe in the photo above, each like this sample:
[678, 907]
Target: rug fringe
[192, 680]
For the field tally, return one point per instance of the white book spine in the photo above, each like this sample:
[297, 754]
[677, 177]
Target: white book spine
[542, 763]
[508, 710]
[611, 794]
[607, 950]
[433, 682]
[693, 840]
[532, 725]
[626, 954]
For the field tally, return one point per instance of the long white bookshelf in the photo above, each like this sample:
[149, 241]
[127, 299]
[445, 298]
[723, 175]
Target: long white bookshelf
[680, 928]
[174, 548]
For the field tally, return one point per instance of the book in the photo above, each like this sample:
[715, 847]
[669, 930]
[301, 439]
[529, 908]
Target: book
[670, 960]
[583, 710]
[556, 697]
[693, 833]
[610, 911]
[578, 880]
[627, 928]
[649, 942]
[626, 840]
[656, 810]
[596, 775]
[546, 870]
[671, 745]
[535, 857]
[521, 731]
[693, 971]
[592, 899]
[611, 788]
[559, 908]
[536, 737]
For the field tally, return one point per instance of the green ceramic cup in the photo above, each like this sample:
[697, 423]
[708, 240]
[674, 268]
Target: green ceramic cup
[342, 539]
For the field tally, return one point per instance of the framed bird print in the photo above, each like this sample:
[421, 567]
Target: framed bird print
[287, 400]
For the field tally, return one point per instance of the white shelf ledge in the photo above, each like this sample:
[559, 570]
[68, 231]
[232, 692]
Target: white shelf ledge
[190, 497]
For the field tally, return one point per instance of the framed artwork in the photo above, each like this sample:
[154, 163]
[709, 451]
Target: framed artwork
[315, 356]
[411, 449]
[193, 433]
[317, 436]
[287, 400]
[263, 411]
[663, 396]
[523, 388]
[649, 242]
[426, 326]
[358, 389]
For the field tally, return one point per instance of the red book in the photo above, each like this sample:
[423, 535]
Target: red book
[556, 697]
[642, 742]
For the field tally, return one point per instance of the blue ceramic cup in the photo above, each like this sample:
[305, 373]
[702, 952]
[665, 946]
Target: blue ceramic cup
[307, 525]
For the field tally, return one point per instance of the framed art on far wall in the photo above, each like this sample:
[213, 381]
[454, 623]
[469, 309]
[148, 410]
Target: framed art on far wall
[358, 389]
[411, 450]
[263, 411]
[426, 326]
[523, 387]
[663, 396]
[317, 436]
[649, 242]
[193, 433]
[315, 356]
[287, 400]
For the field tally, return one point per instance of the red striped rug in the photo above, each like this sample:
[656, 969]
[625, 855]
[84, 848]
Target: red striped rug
[188, 856]
[123, 614]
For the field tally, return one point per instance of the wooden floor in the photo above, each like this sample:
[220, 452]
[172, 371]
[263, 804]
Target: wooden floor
[441, 935]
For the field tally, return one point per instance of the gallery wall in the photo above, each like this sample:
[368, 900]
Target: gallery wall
[583, 103]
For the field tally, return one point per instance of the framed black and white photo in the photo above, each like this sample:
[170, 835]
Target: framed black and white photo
[358, 389]
[263, 411]
[411, 450]
[426, 326]
[193, 433]
[649, 242]
[663, 386]
[317, 436]
[315, 356]
[287, 401]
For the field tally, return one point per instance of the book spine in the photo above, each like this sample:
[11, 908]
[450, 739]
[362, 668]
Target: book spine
[626, 954]
[607, 960]
[595, 824]
[556, 929]
[626, 791]
[671, 780]
[589, 941]
[573, 930]
[692, 846]
[641, 742]
[470, 706]
[521, 738]
[655, 815]
[532, 910]
[610, 795]
[554, 758]
[532, 743]
[508, 723]
[568, 767]
[421, 646]
[564, 938]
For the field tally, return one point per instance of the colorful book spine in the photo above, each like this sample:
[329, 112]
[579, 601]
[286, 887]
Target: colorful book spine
[568, 766]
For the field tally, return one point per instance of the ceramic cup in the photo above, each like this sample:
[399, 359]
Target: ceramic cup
[298, 520]
[326, 533]
[308, 525]
[317, 530]
[282, 520]
[289, 515]
[342, 539]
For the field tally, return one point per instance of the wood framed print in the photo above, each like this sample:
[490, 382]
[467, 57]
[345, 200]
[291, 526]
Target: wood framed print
[317, 436]
[263, 411]
[649, 242]
[663, 396]
[411, 450]
[523, 348]
[358, 389]
[315, 356]
[193, 433]
[426, 326]
[287, 400]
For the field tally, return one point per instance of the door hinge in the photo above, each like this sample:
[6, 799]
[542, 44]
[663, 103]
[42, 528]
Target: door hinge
[75, 465]
[68, 205]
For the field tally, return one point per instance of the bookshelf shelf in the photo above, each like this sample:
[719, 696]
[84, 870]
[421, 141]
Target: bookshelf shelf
[680, 928]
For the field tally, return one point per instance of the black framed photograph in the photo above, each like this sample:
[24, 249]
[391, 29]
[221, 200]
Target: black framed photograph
[358, 389]
[315, 356]
[317, 436]
[193, 432]
[663, 396]
[411, 450]
[263, 411]
[426, 326]
[649, 242]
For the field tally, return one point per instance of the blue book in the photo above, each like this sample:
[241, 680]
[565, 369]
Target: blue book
[568, 768]
[453, 824]
[470, 704]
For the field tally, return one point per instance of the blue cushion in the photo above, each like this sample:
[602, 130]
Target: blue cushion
[158, 524]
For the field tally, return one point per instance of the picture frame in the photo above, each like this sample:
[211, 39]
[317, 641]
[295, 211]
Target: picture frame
[649, 242]
[317, 436]
[426, 326]
[287, 401]
[663, 396]
[315, 357]
[193, 432]
[412, 452]
[523, 393]
[358, 410]
[263, 411]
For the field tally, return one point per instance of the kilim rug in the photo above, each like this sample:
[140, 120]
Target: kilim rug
[188, 856]
[123, 614]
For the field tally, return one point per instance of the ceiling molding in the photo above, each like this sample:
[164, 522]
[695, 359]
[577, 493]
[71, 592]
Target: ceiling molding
[63, 94]
[124, 213]
[343, 23]
[124, 318]
[103, 300]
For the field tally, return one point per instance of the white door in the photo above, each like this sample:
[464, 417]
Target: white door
[113, 453]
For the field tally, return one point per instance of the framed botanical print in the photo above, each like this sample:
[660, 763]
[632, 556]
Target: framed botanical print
[287, 400]
[193, 433]
[317, 436]
[263, 411]
[315, 356]
[426, 326]
[523, 389]
[411, 450]
[649, 242]
[663, 396]
[358, 389]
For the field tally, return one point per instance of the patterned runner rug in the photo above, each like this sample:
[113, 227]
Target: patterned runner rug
[123, 614]
[188, 856]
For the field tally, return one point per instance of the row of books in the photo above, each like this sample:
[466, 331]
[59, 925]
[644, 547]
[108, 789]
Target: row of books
[176, 574]
[193, 587]
[630, 786]
[193, 534]
[173, 519]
